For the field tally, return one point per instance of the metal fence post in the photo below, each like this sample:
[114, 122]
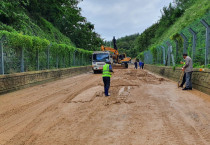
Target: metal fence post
[194, 42]
[145, 57]
[57, 61]
[160, 53]
[164, 55]
[2, 57]
[170, 51]
[156, 62]
[207, 41]
[22, 60]
[2, 54]
[85, 59]
[177, 48]
[185, 42]
[48, 56]
[69, 58]
[168, 54]
[74, 58]
[64, 62]
[37, 59]
[159, 56]
[79, 60]
[82, 60]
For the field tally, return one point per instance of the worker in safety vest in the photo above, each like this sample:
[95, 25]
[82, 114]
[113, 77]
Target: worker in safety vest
[107, 69]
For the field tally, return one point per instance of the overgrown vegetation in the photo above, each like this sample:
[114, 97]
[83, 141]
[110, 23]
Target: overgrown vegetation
[36, 49]
[176, 18]
[58, 21]
[125, 44]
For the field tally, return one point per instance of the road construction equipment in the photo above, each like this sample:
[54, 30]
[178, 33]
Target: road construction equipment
[117, 57]
[98, 60]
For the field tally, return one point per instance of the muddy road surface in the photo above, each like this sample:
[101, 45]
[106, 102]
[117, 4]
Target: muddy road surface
[143, 109]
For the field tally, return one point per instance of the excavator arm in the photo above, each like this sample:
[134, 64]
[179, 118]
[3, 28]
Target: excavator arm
[110, 49]
[117, 57]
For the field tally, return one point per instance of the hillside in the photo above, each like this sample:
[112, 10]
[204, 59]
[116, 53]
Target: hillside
[176, 18]
[125, 44]
[190, 18]
[57, 21]
[45, 34]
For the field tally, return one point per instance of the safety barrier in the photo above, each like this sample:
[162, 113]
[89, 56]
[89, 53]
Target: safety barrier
[200, 77]
[17, 81]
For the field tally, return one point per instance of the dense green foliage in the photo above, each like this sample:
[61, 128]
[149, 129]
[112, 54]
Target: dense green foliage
[58, 21]
[169, 16]
[176, 18]
[125, 44]
[152, 34]
[36, 49]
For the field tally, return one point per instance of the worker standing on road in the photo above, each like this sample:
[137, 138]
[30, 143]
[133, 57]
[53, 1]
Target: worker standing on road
[107, 69]
[135, 63]
[140, 63]
[188, 69]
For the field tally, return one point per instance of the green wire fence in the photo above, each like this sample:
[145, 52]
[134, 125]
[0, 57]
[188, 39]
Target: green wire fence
[22, 53]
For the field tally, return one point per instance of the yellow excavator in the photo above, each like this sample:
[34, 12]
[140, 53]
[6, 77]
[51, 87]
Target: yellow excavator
[117, 57]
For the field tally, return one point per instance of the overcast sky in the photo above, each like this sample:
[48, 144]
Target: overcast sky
[122, 17]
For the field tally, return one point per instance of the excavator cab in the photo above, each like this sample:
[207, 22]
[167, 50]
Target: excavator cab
[122, 56]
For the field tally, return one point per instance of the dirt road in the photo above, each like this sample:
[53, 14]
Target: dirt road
[144, 109]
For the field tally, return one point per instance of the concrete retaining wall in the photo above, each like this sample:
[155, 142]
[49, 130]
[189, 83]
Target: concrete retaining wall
[17, 81]
[200, 79]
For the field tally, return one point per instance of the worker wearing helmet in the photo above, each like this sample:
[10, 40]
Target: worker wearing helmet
[107, 69]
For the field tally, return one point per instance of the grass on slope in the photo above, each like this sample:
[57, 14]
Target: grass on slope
[196, 11]
[22, 22]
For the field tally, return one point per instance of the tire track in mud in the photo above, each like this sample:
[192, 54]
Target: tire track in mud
[88, 118]
[169, 132]
[81, 88]
[193, 115]
[142, 109]
[28, 134]
[25, 120]
[176, 129]
[82, 123]
[29, 92]
[23, 109]
[48, 95]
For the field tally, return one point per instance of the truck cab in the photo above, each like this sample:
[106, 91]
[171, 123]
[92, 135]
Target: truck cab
[98, 60]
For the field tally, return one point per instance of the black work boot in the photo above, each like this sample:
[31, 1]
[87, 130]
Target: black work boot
[186, 88]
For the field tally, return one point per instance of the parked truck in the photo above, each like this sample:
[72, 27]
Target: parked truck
[98, 60]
